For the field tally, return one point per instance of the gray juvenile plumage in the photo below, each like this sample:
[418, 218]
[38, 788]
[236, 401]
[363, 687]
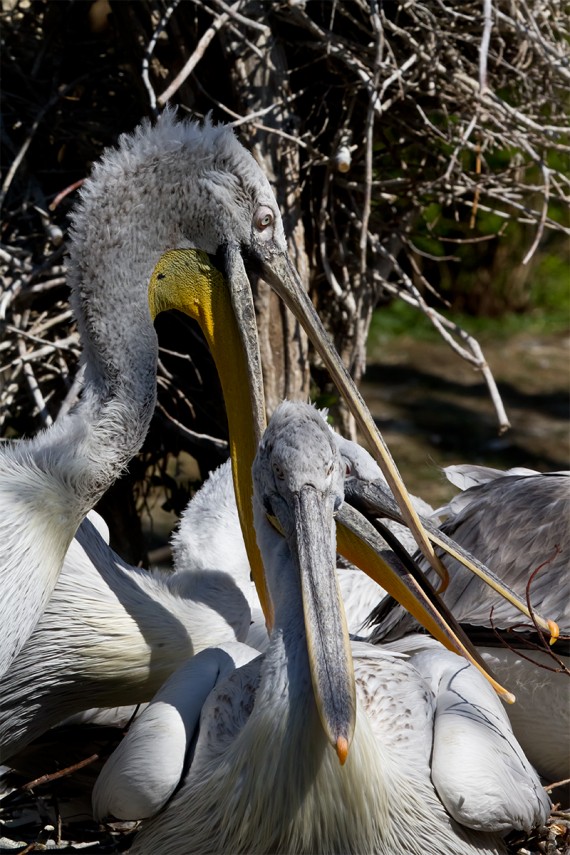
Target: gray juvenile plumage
[171, 186]
[514, 523]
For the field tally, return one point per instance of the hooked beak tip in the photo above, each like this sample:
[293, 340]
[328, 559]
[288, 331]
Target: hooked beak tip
[554, 632]
[341, 748]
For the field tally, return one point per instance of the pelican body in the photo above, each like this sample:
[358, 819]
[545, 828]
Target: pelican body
[111, 634]
[318, 745]
[517, 523]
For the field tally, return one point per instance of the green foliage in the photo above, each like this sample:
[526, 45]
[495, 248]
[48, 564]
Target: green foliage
[550, 289]
[549, 314]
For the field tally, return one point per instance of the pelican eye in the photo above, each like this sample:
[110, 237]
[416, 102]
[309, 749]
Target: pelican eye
[264, 218]
[278, 471]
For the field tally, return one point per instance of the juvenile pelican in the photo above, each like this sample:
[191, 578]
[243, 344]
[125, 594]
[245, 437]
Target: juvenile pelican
[518, 523]
[170, 187]
[314, 746]
[110, 634]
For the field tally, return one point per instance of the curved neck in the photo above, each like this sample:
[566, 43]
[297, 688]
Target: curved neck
[109, 281]
[108, 425]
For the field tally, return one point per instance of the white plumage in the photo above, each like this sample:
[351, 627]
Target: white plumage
[209, 538]
[263, 776]
[111, 634]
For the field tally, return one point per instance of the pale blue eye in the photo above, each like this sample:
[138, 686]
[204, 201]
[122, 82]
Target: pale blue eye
[264, 218]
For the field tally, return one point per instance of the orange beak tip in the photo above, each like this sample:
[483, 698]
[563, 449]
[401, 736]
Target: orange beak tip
[342, 749]
[554, 630]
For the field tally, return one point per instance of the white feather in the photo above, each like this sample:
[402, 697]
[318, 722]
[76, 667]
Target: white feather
[262, 775]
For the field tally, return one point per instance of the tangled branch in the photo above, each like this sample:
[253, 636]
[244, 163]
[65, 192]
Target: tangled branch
[403, 128]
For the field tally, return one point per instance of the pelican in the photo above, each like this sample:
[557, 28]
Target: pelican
[164, 190]
[103, 636]
[111, 634]
[517, 522]
[318, 745]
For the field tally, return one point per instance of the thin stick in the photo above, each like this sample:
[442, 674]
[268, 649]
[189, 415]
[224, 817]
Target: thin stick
[484, 46]
[150, 50]
[62, 773]
[196, 56]
[542, 221]
[34, 388]
[200, 439]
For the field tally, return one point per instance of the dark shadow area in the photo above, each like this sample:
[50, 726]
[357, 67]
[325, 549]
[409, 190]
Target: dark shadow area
[555, 404]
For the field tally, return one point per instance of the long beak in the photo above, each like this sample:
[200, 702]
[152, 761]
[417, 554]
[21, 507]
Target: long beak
[313, 546]
[187, 280]
[284, 279]
[360, 543]
[372, 499]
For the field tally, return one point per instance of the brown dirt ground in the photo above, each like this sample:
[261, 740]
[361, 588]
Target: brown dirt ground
[433, 408]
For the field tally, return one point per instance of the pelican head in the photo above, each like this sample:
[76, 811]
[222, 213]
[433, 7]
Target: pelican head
[209, 194]
[298, 485]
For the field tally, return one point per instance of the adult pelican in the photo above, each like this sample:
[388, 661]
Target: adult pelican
[111, 634]
[316, 746]
[169, 187]
[103, 636]
[517, 521]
